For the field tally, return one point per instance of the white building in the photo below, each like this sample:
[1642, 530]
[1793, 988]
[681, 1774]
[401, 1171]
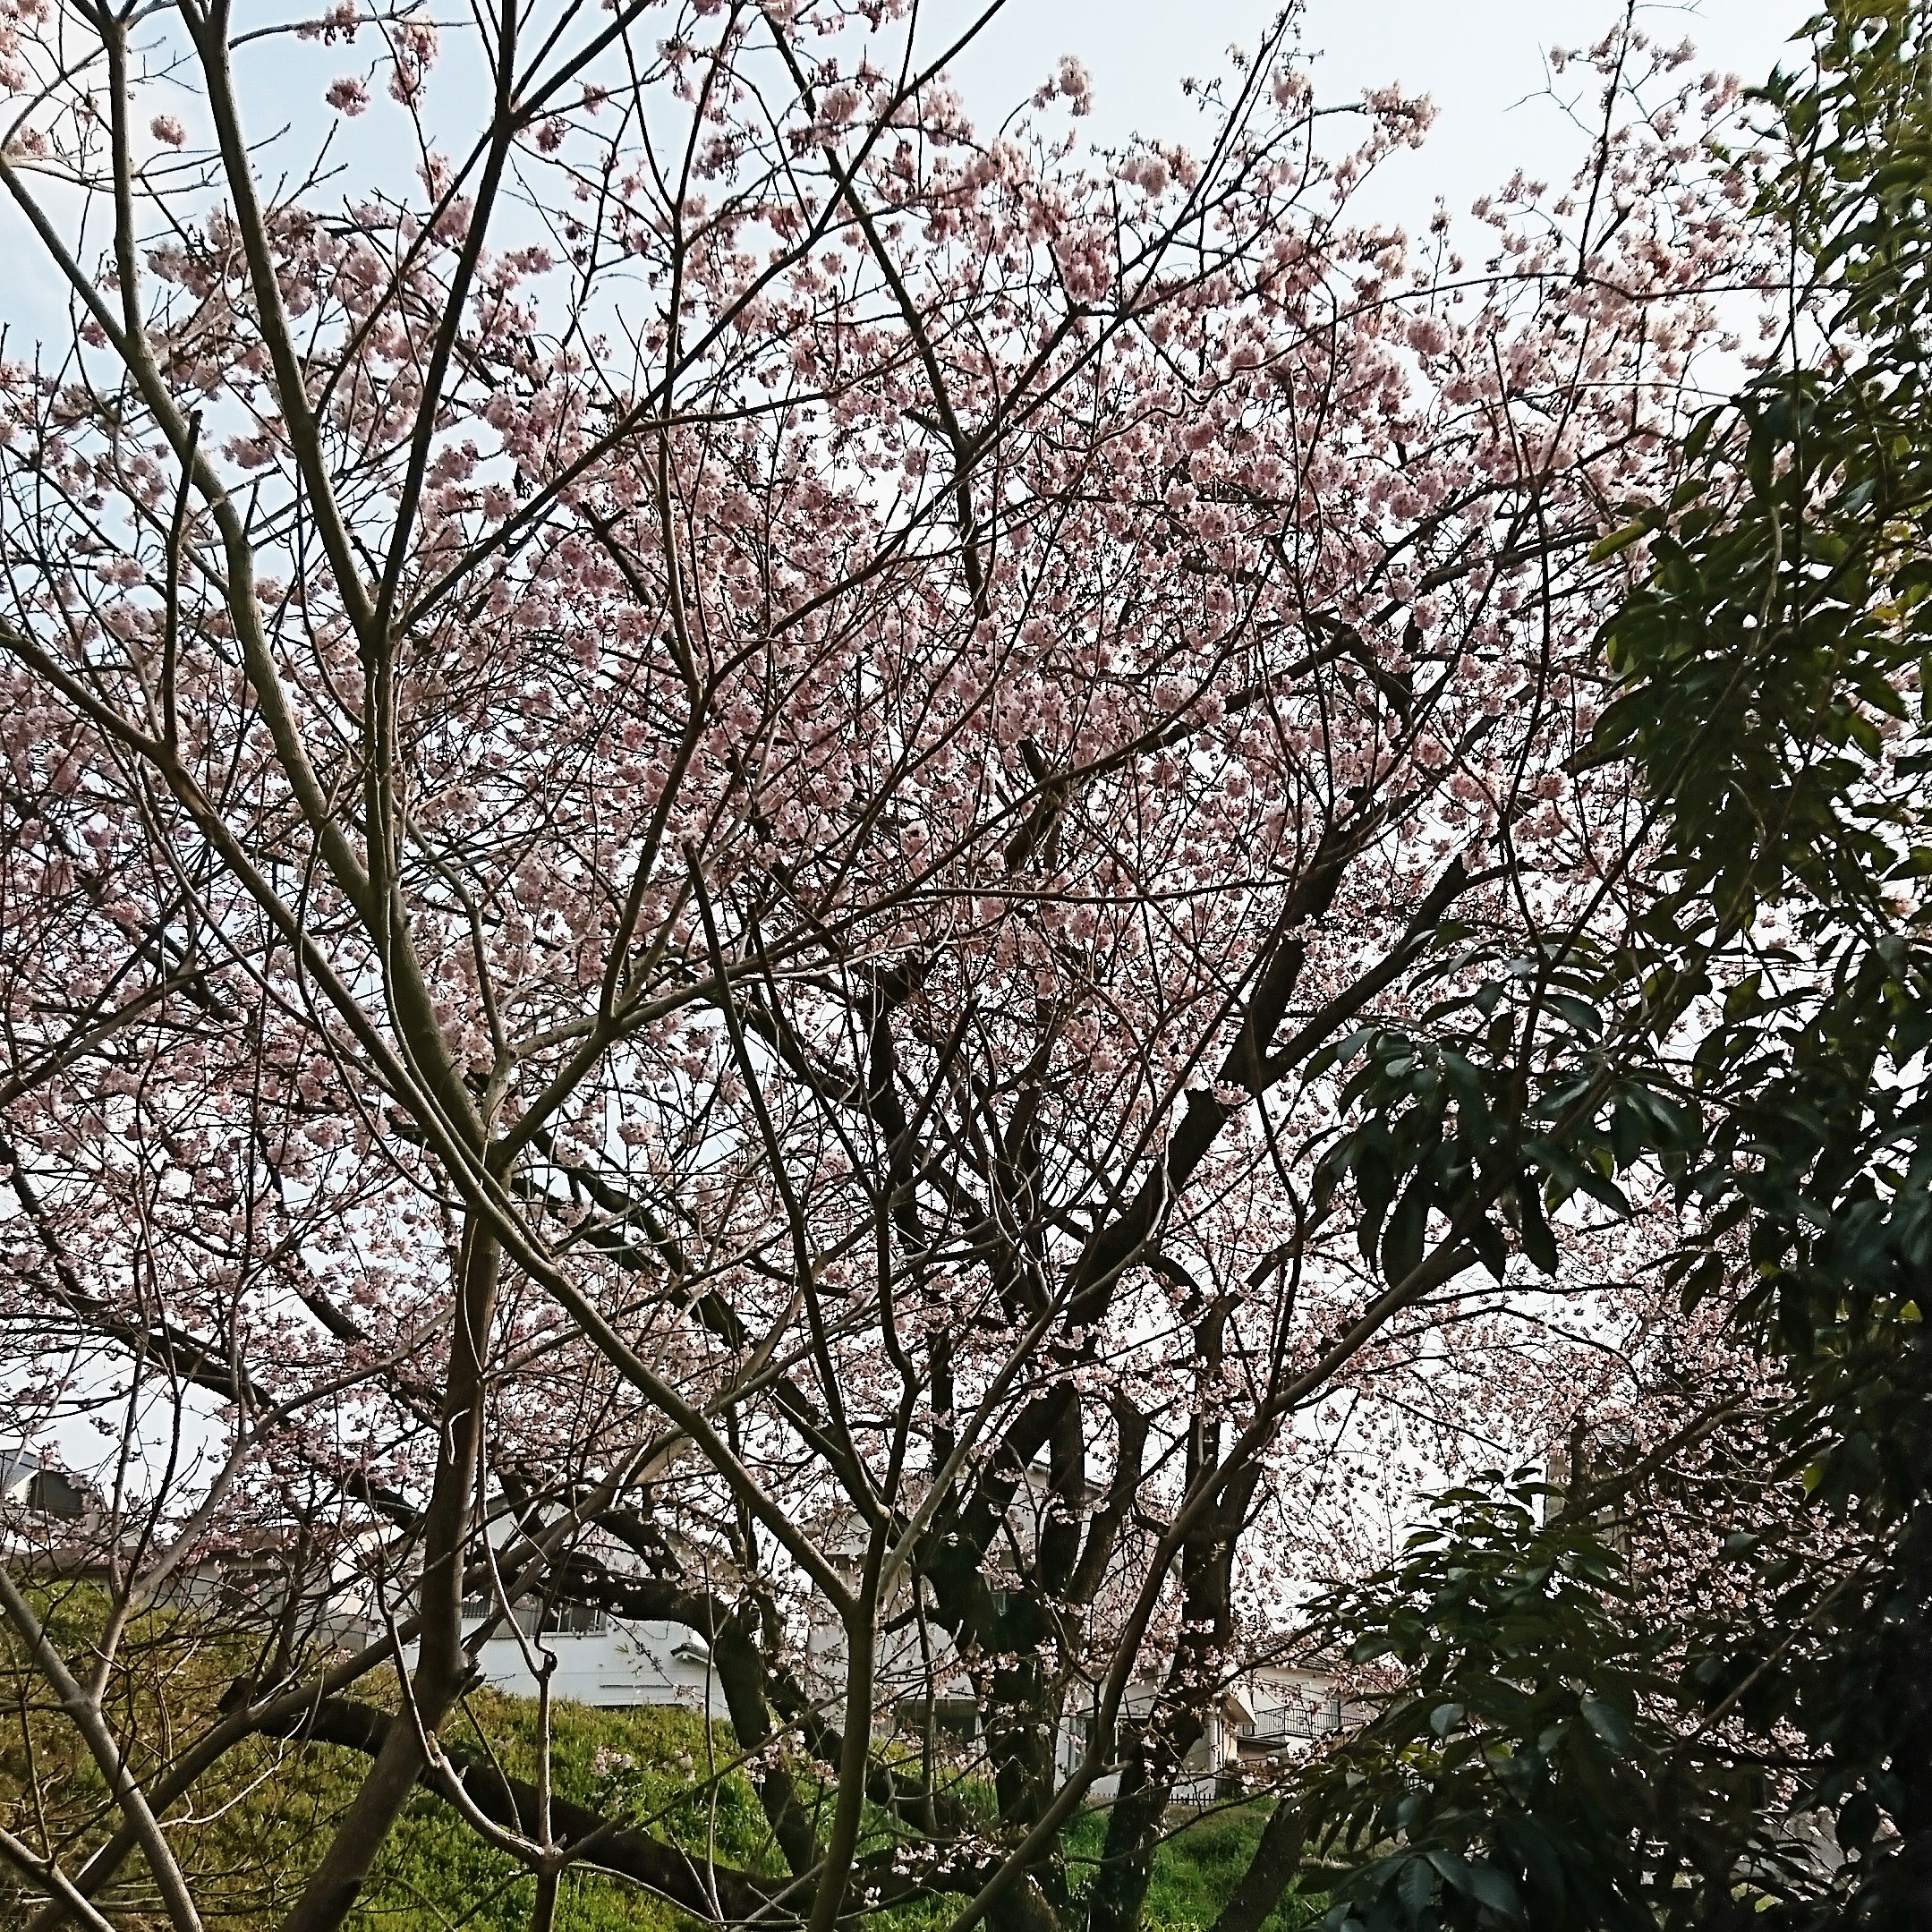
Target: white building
[1266, 1713]
[602, 1660]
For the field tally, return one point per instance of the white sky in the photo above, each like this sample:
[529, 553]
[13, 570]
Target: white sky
[1481, 60]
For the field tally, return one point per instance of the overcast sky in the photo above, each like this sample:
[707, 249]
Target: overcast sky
[1482, 60]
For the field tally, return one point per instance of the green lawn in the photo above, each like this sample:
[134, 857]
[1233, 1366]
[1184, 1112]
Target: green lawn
[435, 1874]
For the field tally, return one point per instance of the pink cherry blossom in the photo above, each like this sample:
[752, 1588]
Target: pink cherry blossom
[682, 838]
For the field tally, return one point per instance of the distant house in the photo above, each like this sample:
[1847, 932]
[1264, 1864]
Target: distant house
[616, 1663]
[1286, 1707]
[1265, 1714]
[600, 1659]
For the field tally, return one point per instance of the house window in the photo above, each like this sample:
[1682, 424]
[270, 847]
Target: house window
[955, 1720]
[543, 1620]
[574, 1619]
[52, 1495]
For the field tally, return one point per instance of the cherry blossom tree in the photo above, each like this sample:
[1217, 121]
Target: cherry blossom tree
[715, 795]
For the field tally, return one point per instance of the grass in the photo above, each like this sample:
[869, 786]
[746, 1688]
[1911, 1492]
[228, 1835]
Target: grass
[646, 1767]
[435, 1874]
[1194, 1870]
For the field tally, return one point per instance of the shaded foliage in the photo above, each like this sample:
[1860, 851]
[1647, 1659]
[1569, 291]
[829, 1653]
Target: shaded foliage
[1552, 1756]
[1525, 1771]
